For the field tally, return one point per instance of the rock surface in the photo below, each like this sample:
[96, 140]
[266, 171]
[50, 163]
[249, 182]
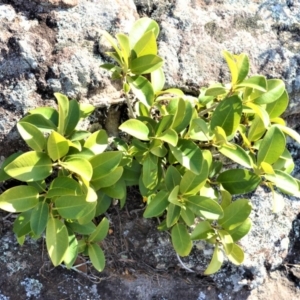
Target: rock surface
[49, 45]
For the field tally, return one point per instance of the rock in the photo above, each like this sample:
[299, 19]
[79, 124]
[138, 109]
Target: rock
[52, 46]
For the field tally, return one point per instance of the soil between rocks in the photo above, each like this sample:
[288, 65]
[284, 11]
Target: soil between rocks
[140, 264]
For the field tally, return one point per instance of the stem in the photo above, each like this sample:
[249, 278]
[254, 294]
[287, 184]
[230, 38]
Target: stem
[131, 112]
[205, 111]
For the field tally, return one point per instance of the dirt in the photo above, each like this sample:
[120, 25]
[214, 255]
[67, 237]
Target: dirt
[140, 265]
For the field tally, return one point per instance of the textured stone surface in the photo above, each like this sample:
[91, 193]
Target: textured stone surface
[51, 46]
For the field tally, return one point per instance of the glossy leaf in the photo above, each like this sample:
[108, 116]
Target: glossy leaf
[257, 129]
[43, 124]
[80, 166]
[157, 205]
[85, 229]
[48, 113]
[125, 46]
[237, 255]
[100, 232]
[216, 262]
[73, 117]
[187, 216]
[63, 186]
[239, 181]
[226, 240]
[85, 109]
[30, 166]
[33, 137]
[142, 89]
[278, 107]
[3, 175]
[198, 130]
[146, 44]
[57, 146]
[188, 154]
[72, 250]
[272, 146]
[169, 136]
[19, 198]
[237, 155]
[181, 240]
[158, 80]
[172, 178]
[241, 230]
[257, 82]
[96, 256]
[261, 112]
[150, 171]
[205, 207]
[57, 240]
[145, 64]
[173, 214]
[136, 128]
[21, 225]
[39, 218]
[97, 142]
[63, 110]
[202, 231]
[289, 131]
[227, 115]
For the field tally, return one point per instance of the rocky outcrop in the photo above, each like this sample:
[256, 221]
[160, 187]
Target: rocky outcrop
[49, 45]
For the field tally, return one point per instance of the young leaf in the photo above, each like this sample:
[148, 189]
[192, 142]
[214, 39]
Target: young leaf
[227, 115]
[226, 241]
[145, 64]
[80, 166]
[157, 205]
[169, 136]
[241, 230]
[111, 40]
[100, 232]
[205, 207]
[271, 147]
[57, 240]
[260, 112]
[202, 231]
[146, 44]
[136, 129]
[85, 109]
[30, 166]
[278, 107]
[48, 113]
[235, 214]
[97, 142]
[63, 111]
[181, 240]
[158, 80]
[33, 137]
[188, 154]
[239, 181]
[289, 131]
[39, 218]
[198, 130]
[216, 262]
[173, 214]
[237, 155]
[256, 82]
[72, 250]
[142, 89]
[21, 225]
[187, 216]
[72, 117]
[39, 121]
[237, 255]
[125, 46]
[96, 256]
[140, 27]
[19, 198]
[57, 146]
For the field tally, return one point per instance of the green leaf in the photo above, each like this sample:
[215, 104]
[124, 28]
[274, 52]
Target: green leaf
[182, 115]
[216, 262]
[72, 250]
[43, 124]
[97, 142]
[274, 91]
[63, 186]
[257, 129]
[73, 117]
[173, 214]
[169, 136]
[226, 240]
[235, 214]
[188, 154]
[271, 147]
[100, 232]
[136, 129]
[86, 109]
[30, 166]
[187, 216]
[131, 173]
[172, 178]
[84, 229]
[226, 199]
[237, 155]
[3, 175]
[238, 66]
[80, 166]
[150, 171]
[261, 112]
[140, 27]
[40, 186]
[198, 130]
[158, 80]
[117, 191]
[157, 205]
[192, 183]
[57, 240]
[175, 198]
[289, 131]
[205, 207]
[63, 111]
[21, 225]
[125, 46]
[216, 90]
[108, 179]
[111, 40]
[96, 256]
[256, 82]
[33, 137]
[146, 64]
[278, 107]
[181, 240]
[227, 115]
[146, 44]
[237, 255]
[202, 231]
[73, 207]
[142, 89]
[239, 181]
[103, 203]
[57, 146]
[285, 162]
[241, 230]
[48, 113]
[39, 218]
